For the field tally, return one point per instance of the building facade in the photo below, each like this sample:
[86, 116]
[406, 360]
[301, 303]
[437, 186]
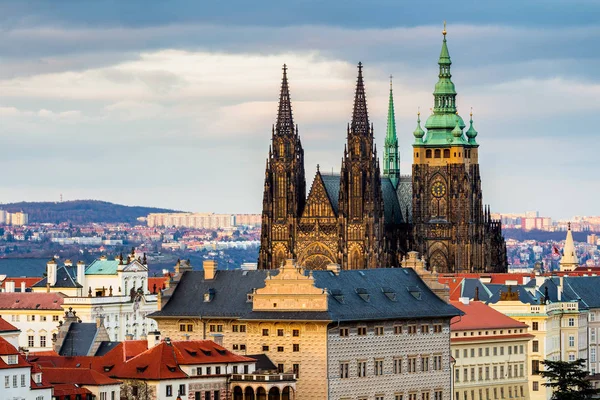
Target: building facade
[361, 218]
[490, 351]
[344, 334]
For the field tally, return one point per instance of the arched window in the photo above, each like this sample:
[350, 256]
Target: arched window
[438, 153]
[428, 153]
[446, 153]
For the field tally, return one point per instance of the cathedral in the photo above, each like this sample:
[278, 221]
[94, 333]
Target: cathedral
[363, 218]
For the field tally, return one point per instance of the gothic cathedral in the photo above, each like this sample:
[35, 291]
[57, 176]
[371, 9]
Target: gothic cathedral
[361, 218]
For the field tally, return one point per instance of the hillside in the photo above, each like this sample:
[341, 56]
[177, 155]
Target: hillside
[81, 211]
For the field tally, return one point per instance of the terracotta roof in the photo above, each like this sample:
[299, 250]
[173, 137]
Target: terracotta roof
[158, 281]
[79, 376]
[7, 327]
[8, 349]
[481, 316]
[163, 360]
[29, 282]
[68, 389]
[491, 337]
[31, 301]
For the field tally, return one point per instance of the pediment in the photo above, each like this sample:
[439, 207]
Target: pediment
[135, 266]
[318, 203]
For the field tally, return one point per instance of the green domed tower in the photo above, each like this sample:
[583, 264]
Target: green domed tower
[450, 227]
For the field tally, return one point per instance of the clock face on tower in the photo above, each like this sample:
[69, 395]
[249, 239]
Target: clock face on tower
[438, 189]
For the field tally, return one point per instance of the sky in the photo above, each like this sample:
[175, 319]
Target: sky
[171, 103]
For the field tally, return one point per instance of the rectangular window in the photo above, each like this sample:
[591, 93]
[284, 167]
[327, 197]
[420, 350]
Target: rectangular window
[190, 328]
[242, 347]
[457, 375]
[265, 332]
[199, 371]
[344, 332]
[182, 390]
[472, 374]
[362, 369]
[593, 354]
[437, 395]
[509, 350]
[296, 347]
[279, 332]
[30, 341]
[43, 318]
[280, 349]
[217, 370]
[216, 395]
[424, 329]
[397, 365]
[457, 354]
[234, 328]
[296, 332]
[379, 331]
[208, 370]
[378, 367]
[412, 364]
[593, 335]
[425, 396]
[412, 329]
[424, 363]
[480, 352]
[437, 328]
[480, 373]
[398, 397]
[362, 331]
[501, 350]
[296, 370]
[242, 328]
[22, 380]
[535, 326]
[487, 351]
[397, 329]
[571, 321]
[7, 381]
[535, 346]
[280, 368]
[521, 369]
[472, 353]
[43, 341]
[235, 369]
[535, 367]
[437, 363]
[265, 348]
[487, 373]
[495, 372]
[465, 353]
[571, 341]
[55, 318]
[206, 395]
[14, 381]
[343, 370]
[169, 391]
[181, 327]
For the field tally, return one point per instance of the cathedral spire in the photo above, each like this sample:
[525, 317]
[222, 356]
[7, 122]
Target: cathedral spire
[360, 117]
[285, 122]
[391, 159]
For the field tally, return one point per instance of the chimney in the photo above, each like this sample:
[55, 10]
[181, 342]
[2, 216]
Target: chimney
[51, 268]
[210, 268]
[68, 263]
[81, 273]
[129, 336]
[153, 339]
[464, 300]
[335, 268]
[9, 286]
[23, 288]
[217, 338]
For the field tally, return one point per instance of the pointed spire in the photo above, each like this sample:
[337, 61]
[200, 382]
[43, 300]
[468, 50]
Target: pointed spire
[457, 132]
[419, 132]
[390, 135]
[285, 122]
[360, 117]
[569, 260]
[471, 132]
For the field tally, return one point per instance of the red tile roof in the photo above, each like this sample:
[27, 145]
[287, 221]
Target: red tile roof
[158, 281]
[31, 301]
[69, 389]
[8, 349]
[79, 376]
[29, 282]
[481, 316]
[7, 327]
[163, 360]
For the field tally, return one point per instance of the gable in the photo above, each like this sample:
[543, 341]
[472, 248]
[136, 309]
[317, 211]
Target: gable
[135, 266]
[318, 204]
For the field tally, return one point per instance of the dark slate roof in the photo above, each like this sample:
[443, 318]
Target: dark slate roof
[105, 347]
[524, 295]
[391, 205]
[332, 186]
[390, 293]
[263, 363]
[468, 289]
[64, 278]
[79, 339]
[586, 288]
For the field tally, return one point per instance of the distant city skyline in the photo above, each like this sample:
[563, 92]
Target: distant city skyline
[172, 105]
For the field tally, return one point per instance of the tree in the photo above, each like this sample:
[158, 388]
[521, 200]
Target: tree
[568, 380]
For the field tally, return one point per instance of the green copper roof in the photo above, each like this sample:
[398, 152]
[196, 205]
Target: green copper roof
[471, 133]
[390, 135]
[103, 267]
[391, 157]
[419, 132]
[444, 126]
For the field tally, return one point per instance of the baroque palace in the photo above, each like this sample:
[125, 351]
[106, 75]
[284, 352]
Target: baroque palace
[361, 218]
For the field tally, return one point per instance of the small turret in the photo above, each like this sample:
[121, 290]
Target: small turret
[569, 260]
[419, 132]
[457, 132]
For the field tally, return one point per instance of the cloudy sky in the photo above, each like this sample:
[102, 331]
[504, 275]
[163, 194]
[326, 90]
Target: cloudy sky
[171, 104]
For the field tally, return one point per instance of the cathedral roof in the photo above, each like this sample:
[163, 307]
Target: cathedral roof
[352, 295]
[332, 186]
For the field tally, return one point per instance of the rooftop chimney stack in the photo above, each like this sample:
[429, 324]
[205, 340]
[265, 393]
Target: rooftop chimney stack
[9, 286]
[210, 268]
[23, 288]
[153, 339]
[51, 269]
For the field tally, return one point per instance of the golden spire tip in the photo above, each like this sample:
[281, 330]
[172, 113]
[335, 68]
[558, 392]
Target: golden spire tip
[444, 31]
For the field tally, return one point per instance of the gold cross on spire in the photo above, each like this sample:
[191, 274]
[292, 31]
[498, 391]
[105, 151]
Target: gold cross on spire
[444, 31]
[391, 76]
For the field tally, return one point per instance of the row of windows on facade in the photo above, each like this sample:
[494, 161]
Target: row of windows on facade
[398, 330]
[32, 318]
[486, 333]
[182, 391]
[424, 395]
[15, 381]
[31, 341]
[513, 392]
[396, 367]
[514, 371]
[437, 153]
[486, 350]
[104, 395]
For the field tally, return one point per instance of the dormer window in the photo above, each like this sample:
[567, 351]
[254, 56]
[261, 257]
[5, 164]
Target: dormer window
[209, 296]
[249, 298]
[389, 293]
[363, 294]
[12, 359]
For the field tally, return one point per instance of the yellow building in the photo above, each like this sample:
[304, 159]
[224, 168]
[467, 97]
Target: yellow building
[369, 334]
[490, 354]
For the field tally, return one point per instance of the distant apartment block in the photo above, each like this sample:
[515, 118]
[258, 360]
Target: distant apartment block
[202, 220]
[16, 219]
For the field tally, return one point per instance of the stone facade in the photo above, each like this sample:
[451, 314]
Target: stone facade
[396, 346]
